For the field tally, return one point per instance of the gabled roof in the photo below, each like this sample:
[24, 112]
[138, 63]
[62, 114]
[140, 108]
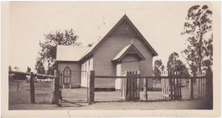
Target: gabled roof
[70, 53]
[73, 53]
[92, 49]
[126, 50]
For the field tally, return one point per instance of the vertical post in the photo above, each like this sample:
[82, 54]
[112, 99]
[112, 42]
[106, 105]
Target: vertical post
[138, 85]
[145, 89]
[91, 87]
[18, 86]
[52, 89]
[191, 87]
[176, 86]
[123, 86]
[53, 85]
[209, 77]
[198, 84]
[127, 86]
[171, 87]
[56, 93]
[32, 88]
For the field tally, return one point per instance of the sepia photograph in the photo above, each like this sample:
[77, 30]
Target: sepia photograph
[79, 56]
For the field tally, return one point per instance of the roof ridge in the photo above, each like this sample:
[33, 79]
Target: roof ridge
[112, 29]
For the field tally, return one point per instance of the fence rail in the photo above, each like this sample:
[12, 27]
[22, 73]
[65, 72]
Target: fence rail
[28, 73]
[204, 83]
[153, 77]
[171, 84]
[56, 92]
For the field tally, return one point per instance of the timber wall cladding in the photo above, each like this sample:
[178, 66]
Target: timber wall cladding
[110, 48]
[75, 72]
[86, 67]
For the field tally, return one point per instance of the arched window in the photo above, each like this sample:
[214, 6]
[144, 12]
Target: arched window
[67, 75]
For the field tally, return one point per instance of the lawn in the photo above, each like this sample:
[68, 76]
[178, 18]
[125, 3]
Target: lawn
[43, 93]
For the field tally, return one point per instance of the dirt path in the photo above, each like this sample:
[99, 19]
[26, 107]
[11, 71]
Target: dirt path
[194, 104]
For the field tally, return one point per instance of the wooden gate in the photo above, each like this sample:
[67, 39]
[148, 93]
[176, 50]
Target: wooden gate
[175, 87]
[130, 87]
[171, 87]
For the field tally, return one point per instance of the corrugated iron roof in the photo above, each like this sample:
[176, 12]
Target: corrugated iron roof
[125, 50]
[121, 52]
[70, 53]
[73, 53]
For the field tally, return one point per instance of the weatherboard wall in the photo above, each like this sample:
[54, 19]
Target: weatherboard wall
[109, 49]
[75, 72]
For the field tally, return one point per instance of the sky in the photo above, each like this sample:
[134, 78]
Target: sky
[160, 23]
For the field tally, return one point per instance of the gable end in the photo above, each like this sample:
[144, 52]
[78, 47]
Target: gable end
[128, 24]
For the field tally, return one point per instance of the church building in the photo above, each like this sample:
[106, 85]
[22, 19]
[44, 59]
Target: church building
[122, 49]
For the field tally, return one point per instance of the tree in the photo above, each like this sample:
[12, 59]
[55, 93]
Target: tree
[172, 62]
[208, 49]
[181, 68]
[176, 65]
[39, 67]
[47, 54]
[198, 24]
[16, 68]
[158, 67]
[28, 70]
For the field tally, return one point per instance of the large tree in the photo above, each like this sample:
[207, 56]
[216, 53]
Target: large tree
[174, 64]
[158, 67]
[198, 25]
[47, 54]
[39, 67]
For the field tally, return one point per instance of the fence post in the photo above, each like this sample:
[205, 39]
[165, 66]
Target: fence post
[91, 87]
[138, 85]
[191, 87]
[32, 88]
[171, 86]
[127, 85]
[145, 89]
[56, 93]
[209, 77]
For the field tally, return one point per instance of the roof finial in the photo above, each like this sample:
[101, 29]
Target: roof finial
[125, 12]
[131, 41]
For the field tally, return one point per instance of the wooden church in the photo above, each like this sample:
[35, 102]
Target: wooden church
[122, 49]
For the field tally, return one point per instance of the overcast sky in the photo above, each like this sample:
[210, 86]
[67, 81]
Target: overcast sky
[160, 23]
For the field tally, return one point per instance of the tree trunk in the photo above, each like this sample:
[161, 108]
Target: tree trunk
[200, 51]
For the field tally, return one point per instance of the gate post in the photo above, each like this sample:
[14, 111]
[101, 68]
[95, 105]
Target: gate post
[32, 88]
[171, 86]
[91, 87]
[145, 88]
[56, 93]
[209, 77]
[191, 86]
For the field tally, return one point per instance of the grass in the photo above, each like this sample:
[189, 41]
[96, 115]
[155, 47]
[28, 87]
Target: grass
[43, 93]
